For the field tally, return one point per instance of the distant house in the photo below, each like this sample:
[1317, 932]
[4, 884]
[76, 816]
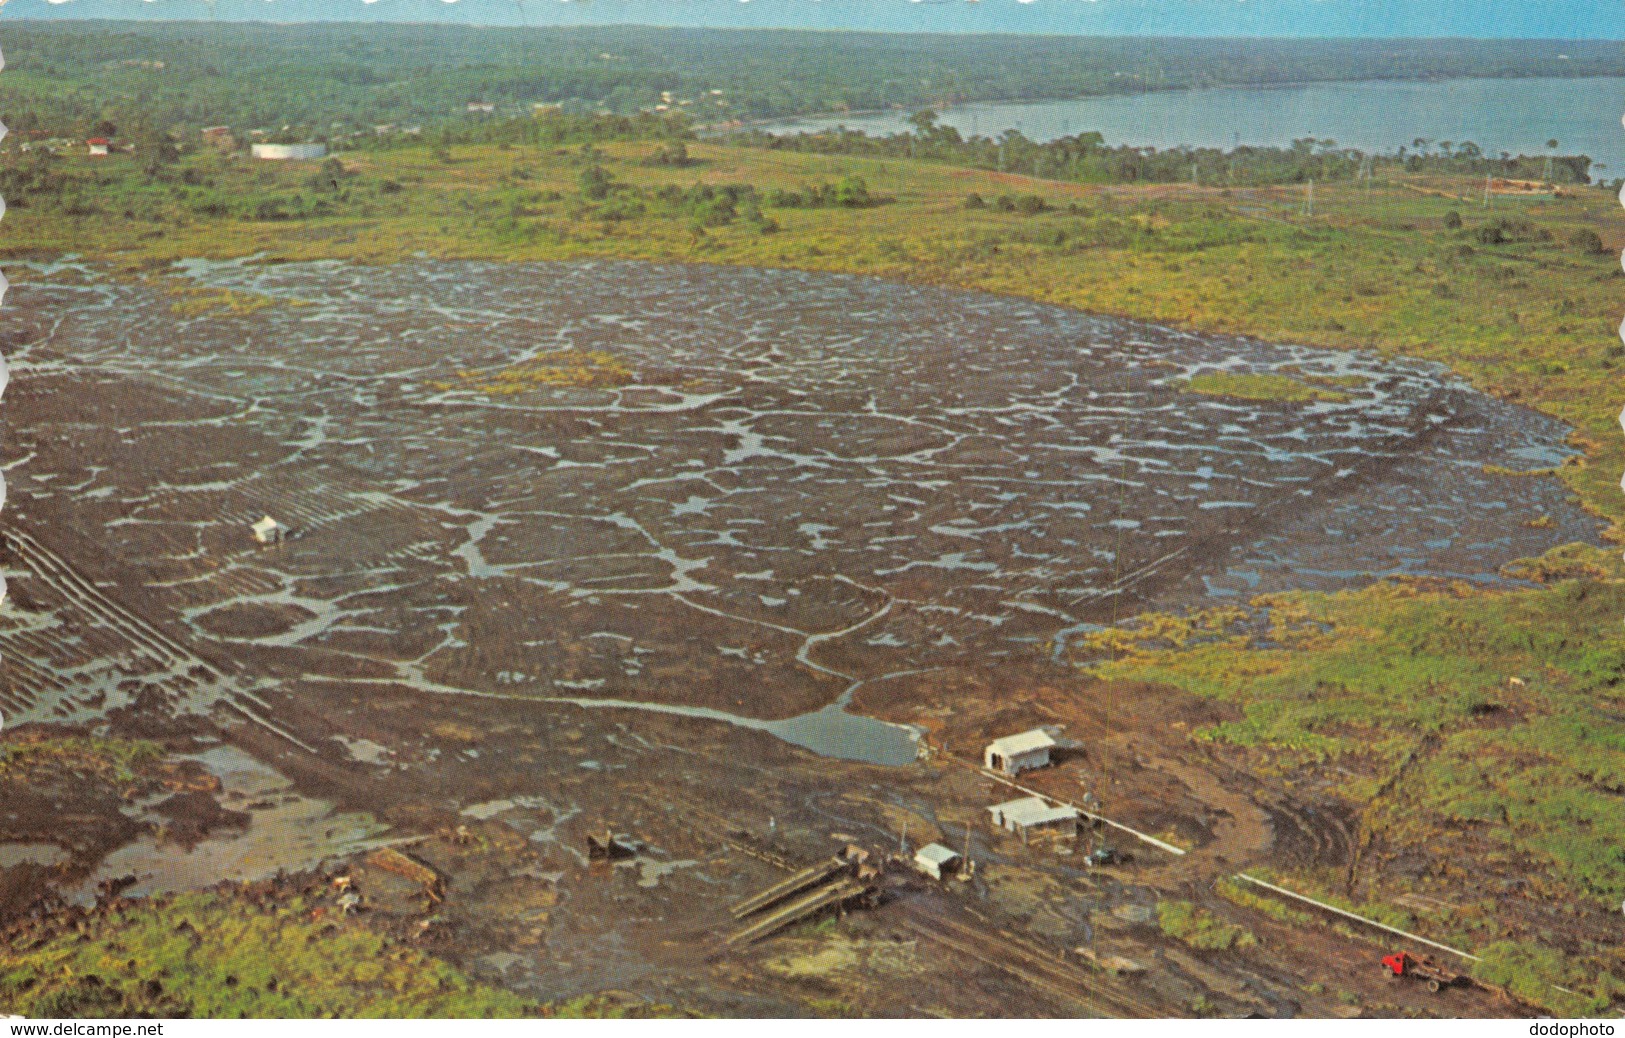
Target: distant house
[99, 145]
[288, 152]
[482, 107]
[937, 861]
[269, 531]
[1014, 754]
[1032, 814]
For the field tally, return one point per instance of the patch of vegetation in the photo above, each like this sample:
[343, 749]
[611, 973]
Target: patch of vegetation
[1200, 928]
[32, 758]
[1546, 978]
[214, 955]
[852, 192]
[1239, 894]
[564, 369]
[196, 301]
[1251, 386]
[205, 955]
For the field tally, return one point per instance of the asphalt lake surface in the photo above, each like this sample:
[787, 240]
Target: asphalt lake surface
[738, 493]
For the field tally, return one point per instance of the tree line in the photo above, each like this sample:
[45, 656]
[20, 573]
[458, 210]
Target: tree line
[1087, 158]
[339, 78]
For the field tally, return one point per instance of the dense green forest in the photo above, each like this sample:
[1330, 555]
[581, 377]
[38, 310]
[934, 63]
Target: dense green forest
[326, 79]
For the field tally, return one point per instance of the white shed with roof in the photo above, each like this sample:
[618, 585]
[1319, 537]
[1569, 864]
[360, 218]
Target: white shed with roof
[1014, 754]
[1029, 813]
[937, 861]
[269, 531]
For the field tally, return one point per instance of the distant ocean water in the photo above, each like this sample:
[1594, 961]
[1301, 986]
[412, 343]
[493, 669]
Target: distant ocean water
[1512, 115]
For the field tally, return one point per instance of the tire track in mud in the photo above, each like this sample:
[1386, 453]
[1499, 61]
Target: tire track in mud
[1018, 957]
[1366, 835]
[126, 640]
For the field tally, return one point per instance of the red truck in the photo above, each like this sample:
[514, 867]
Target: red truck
[1423, 968]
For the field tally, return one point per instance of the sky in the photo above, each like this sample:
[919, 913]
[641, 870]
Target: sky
[1515, 19]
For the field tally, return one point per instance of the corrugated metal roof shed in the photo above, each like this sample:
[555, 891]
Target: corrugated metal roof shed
[1031, 811]
[1026, 742]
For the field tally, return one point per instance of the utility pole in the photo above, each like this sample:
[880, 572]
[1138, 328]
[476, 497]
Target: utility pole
[1486, 191]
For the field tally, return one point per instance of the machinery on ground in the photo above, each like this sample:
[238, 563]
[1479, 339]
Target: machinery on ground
[1423, 968]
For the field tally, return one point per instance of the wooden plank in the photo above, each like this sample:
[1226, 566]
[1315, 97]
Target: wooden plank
[795, 884]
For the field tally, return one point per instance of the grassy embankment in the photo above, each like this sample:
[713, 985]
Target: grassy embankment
[1482, 730]
[212, 955]
[1399, 697]
[219, 956]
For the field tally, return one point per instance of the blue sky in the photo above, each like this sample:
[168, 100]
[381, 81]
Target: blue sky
[1548, 19]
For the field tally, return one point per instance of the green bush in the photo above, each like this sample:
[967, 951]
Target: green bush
[1588, 241]
[595, 182]
[1200, 928]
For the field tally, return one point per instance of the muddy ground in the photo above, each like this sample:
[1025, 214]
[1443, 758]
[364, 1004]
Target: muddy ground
[854, 493]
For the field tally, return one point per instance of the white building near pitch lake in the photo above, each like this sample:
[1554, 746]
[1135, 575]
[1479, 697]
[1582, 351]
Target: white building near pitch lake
[269, 531]
[1033, 813]
[1014, 754]
[937, 861]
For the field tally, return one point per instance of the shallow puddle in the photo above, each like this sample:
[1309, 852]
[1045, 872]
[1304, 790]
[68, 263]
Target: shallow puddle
[286, 831]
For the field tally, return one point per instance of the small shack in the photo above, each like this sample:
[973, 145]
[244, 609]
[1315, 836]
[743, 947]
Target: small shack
[269, 531]
[937, 861]
[99, 145]
[1034, 814]
[1014, 754]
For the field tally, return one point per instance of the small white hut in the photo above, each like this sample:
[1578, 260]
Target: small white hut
[1030, 814]
[937, 861]
[269, 531]
[1014, 754]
